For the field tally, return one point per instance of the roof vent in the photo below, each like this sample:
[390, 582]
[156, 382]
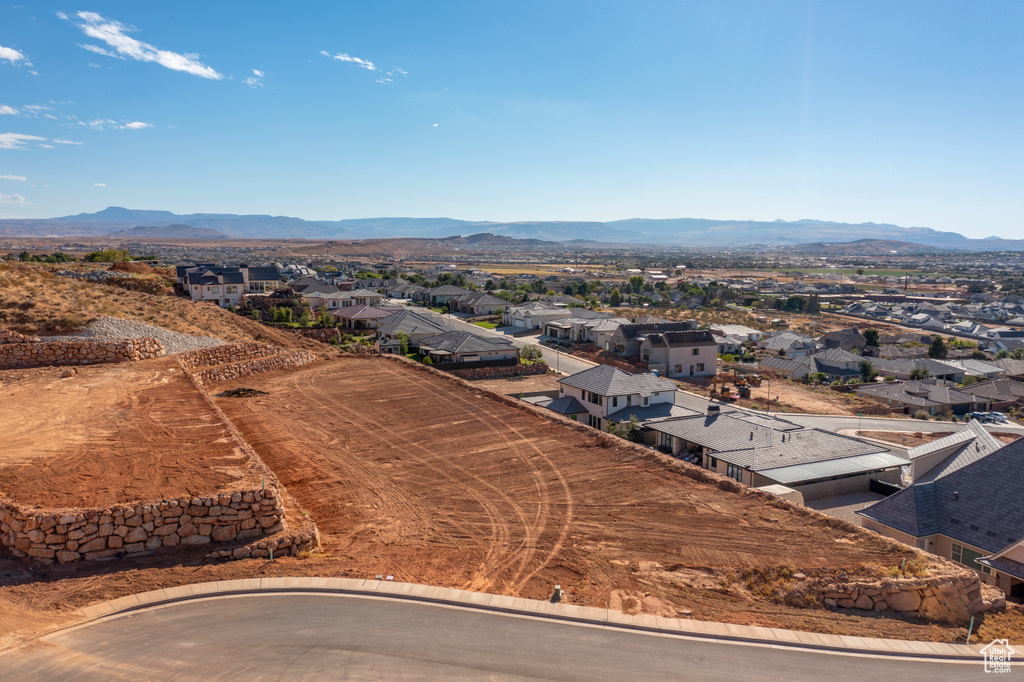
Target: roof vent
[956, 496]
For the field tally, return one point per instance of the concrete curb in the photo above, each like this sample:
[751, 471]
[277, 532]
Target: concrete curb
[569, 613]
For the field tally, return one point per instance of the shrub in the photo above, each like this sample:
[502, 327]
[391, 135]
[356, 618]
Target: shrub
[531, 352]
[427, 360]
[921, 414]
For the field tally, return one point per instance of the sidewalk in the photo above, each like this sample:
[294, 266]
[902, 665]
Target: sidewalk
[569, 613]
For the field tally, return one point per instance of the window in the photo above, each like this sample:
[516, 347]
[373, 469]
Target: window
[969, 558]
[666, 440]
[595, 398]
[629, 401]
[615, 401]
[714, 463]
[700, 366]
[231, 289]
[679, 369]
[733, 471]
[594, 421]
[645, 400]
[574, 417]
[561, 390]
[696, 351]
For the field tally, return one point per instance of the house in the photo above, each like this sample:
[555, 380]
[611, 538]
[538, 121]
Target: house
[227, 285]
[903, 369]
[605, 390]
[967, 509]
[728, 345]
[681, 354]
[439, 296]
[762, 451]
[835, 363]
[1000, 394]
[972, 442]
[416, 324]
[476, 303]
[363, 316]
[601, 331]
[574, 326]
[532, 315]
[1014, 368]
[465, 347]
[847, 339]
[738, 331]
[224, 287]
[934, 396]
[790, 344]
[978, 369]
[406, 291]
[627, 338]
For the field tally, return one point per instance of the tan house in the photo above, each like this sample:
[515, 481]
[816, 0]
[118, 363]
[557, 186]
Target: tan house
[681, 354]
[966, 508]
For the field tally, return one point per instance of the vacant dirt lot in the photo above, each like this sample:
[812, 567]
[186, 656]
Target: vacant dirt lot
[109, 434]
[417, 476]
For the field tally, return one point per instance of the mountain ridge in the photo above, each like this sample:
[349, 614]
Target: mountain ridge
[679, 232]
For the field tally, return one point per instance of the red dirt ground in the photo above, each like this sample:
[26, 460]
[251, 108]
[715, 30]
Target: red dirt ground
[110, 434]
[416, 475]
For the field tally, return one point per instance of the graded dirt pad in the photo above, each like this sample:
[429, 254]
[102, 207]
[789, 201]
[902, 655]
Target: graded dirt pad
[415, 475]
[111, 433]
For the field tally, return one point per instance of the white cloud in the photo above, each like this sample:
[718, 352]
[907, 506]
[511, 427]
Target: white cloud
[401, 71]
[9, 111]
[46, 146]
[114, 34]
[435, 125]
[385, 80]
[16, 140]
[61, 15]
[11, 55]
[342, 57]
[13, 177]
[255, 80]
[65, 142]
[99, 184]
[106, 123]
[99, 50]
[12, 199]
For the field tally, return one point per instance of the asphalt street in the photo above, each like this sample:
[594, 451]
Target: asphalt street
[317, 636]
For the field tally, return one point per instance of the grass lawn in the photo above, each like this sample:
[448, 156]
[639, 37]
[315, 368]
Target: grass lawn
[486, 325]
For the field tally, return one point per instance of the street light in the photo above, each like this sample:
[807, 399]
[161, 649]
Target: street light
[769, 394]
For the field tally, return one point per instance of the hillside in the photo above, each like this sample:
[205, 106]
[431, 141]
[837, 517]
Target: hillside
[175, 231]
[33, 300]
[864, 247]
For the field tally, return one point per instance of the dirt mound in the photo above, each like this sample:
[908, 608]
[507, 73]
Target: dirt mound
[241, 393]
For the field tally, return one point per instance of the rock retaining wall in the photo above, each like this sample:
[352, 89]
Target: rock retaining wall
[125, 530]
[499, 372]
[946, 598]
[237, 370]
[221, 355]
[48, 354]
[7, 336]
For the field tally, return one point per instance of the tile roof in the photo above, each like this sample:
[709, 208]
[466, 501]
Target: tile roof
[466, 342]
[1013, 367]
[365, 312]
[681, 339]
[564, 405]
[607, 380]
[412, 322]
[978, 504]
[1002, 390]
[966, 445]
[651, 412]
[632, 331]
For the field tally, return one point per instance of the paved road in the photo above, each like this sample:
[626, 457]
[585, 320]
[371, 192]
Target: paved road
[298, 637]
[561, 362]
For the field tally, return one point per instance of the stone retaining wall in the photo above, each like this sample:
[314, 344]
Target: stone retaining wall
[125, 530]
[237, 370]
[222, 355]
[7, 336]
[283, 544]
[498, 372]
[947, 598]
[48, 354]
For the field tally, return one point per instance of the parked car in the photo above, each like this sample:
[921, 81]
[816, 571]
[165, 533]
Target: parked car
[980, 416]
[998, 418]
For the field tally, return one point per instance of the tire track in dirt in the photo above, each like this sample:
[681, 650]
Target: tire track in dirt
[545, 497]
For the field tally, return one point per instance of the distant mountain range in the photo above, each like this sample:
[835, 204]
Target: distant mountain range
[864, 247]
[683, 232]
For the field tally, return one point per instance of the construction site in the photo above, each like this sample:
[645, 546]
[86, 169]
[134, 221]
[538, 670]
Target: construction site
[247, 459]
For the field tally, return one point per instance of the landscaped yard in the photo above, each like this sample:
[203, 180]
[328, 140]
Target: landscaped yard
[486, 325]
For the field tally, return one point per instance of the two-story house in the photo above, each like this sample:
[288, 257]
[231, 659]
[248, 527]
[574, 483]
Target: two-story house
[681, 354]
[605, 390]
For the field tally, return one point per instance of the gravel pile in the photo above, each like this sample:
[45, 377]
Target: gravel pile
[113, 329]
[92, 275]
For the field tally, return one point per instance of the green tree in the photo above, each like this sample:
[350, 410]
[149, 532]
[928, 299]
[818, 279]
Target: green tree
[305, 319]
[325, 319]
[107, 256]
[1017, 354]
[404, 340]
[531, 353]
[636, 284]
[868, 371]
[490, 285]
[615, 298]
[938, 349]
[871, 337]
[919, 373]
[255, 315]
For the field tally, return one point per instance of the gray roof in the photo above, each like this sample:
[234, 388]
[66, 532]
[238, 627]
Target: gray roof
[843, 466]
[978, 504]
[1003, 390]
[1014, 368]
[608, 380]
[834, 356]
[686, 338]
[564, 405]
[263, 274]
[734, 440]
[923, 393]
[412, 322]
[631, 331]
[787, 365]
[967, 445]
[466, 342]
[651, 412]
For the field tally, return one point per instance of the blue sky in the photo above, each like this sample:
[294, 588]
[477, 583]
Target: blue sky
[906, 112]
